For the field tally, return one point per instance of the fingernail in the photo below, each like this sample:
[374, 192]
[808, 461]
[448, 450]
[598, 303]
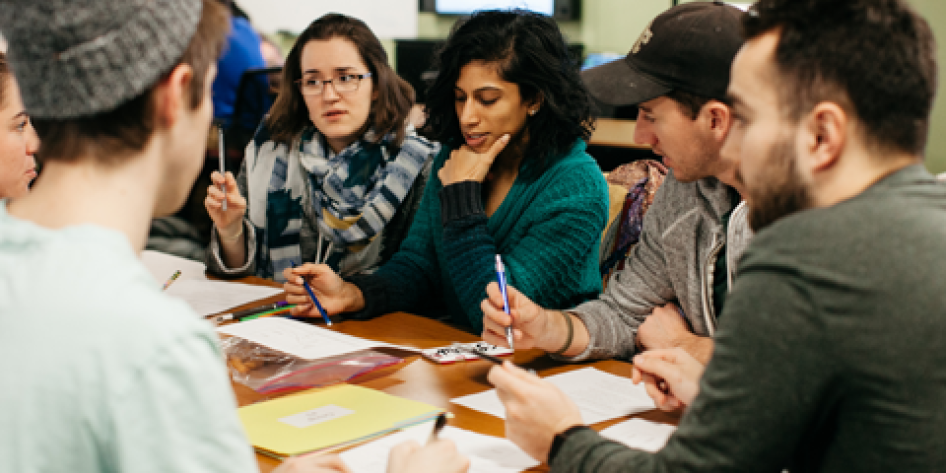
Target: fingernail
[505, 137]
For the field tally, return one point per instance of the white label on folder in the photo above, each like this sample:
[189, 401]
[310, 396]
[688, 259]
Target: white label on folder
[316, 416]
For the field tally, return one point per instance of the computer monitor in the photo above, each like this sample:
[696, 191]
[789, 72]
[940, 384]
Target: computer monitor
[465, 7]
[565, 10]
[597, 59]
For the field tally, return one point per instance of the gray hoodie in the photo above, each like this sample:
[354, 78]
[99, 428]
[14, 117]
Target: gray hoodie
[673, 262]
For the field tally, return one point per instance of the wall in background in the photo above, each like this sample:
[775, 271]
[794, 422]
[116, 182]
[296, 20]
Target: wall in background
[935, 12]
[387, 18]
[605, 25]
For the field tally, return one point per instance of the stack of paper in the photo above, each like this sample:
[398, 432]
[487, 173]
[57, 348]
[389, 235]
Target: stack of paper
[162, 266]
[487, 454]
[211, 297]
[300, 339]
[640, 434]
[329, 417]
[600, 396]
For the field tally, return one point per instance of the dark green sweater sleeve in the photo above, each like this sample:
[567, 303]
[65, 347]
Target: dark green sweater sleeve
[468, 247]
[547, 262]
[550, 248]
[757, 396]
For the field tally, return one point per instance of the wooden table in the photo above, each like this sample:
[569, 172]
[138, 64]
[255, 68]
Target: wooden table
[425, 381]
[615, 133]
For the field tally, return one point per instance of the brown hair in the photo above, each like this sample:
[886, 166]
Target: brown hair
[874, 58]
[113, 134]
[4, 72]
[389, 111]
[690, 104]
[530, 51]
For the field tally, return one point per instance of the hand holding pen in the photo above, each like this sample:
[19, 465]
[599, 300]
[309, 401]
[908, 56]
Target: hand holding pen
[227, 220]
[313, 299]
[333, 294]
[527, 321]
[501, 279]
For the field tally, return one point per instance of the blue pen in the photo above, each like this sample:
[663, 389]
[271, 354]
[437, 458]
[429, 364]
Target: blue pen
[315, 300]
[501, 278]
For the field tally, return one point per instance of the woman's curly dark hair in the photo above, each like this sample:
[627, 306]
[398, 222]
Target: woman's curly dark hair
[530, 52]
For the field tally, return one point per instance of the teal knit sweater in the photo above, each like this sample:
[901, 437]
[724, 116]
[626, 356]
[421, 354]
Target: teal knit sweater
[547, 230]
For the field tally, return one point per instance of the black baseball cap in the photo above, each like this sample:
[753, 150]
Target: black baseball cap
[689, 47]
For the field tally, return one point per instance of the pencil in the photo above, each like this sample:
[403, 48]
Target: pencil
[173, 277]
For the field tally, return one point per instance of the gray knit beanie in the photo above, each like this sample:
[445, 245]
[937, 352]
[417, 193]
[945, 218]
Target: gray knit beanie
[75, 58]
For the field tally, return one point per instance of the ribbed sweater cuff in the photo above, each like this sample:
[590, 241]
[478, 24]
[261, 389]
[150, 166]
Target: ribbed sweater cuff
[374, 291]
[461, 200]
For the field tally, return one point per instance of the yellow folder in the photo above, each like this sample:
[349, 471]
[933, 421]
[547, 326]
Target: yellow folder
[329, 417]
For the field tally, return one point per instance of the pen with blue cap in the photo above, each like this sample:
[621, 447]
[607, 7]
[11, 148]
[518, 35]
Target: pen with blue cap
[501, 278]
[315, 300]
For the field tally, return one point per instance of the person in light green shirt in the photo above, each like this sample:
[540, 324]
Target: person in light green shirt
[103, 372]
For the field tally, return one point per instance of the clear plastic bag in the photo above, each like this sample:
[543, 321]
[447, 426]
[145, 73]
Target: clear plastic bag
[268, 371]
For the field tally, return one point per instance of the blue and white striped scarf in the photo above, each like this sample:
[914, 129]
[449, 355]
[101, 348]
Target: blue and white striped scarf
[355, 193]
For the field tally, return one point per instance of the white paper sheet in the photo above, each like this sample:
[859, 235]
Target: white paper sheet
[211, 297]
[162, 266]
[640, 434]
[487, 454]
[300, 339]
[600, 396]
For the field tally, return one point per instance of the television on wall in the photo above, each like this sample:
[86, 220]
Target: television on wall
[558, 9]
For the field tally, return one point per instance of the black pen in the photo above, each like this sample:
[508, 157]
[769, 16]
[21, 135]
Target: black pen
[490, 358]
[438, 426]
[478, 353]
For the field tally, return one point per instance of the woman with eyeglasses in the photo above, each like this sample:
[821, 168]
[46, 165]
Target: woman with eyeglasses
[513, 179]
[18, 140]
[335, 173]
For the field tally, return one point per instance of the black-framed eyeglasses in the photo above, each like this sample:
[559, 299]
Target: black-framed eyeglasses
[343, 84]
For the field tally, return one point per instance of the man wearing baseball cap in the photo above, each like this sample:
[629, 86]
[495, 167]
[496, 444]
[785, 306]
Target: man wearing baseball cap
[829, 357]
[676, 279]
[104, 372]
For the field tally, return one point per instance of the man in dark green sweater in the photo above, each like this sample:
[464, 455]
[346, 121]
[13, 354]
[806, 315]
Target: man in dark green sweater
[829, 356]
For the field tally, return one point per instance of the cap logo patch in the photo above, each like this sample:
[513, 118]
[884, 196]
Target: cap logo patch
[644, 39]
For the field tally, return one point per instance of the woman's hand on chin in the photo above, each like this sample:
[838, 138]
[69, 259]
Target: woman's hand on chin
[465, 164]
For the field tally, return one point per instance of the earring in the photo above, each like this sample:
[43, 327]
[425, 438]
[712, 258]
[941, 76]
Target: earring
[533, 112]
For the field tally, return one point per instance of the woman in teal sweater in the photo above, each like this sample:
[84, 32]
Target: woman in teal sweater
[513, 179]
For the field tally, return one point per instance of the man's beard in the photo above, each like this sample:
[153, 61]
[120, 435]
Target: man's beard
[780, 189]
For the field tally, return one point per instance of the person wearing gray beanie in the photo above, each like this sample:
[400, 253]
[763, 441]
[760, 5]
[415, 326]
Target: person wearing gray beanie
[127, 379]
[120, 91]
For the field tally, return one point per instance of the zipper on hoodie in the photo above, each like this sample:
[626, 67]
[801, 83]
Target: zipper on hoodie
[709, 317]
